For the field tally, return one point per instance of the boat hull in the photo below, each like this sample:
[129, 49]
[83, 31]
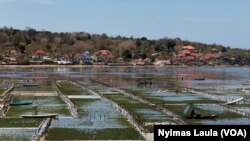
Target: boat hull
[21, 103]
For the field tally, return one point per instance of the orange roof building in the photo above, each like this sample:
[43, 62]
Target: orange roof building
[188, 47]
[40, 52]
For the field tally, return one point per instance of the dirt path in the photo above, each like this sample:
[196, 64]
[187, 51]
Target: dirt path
[42, 130]
[72, 107]
[7, 100]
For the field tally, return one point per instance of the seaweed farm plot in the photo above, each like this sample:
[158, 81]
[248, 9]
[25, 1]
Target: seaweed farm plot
[14, 134]
[96, 87]
[177, 102]
[98, 121]
[34, 88]
[70, 89]
[241, 107]
[39, 106]
[168, 97]
[143, 113]
[12, 129]
[119, 103]
[231, 94]
[223, 116]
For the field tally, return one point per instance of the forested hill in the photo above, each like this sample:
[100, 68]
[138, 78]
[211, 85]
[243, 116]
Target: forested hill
[26, 42]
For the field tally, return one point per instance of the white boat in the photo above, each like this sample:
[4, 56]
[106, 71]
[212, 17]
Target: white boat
[64, 62]
[246, 83]
[234, 101]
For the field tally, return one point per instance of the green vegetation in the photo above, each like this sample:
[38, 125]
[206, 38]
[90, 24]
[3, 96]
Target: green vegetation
[141, 112]
[240, 105]
[80, 103]
[19, 122]
[178, 109]
[40, 105]
[26, 42]
[164, 99]
[43, 86]
[1, 91]
[5, 138]
[103, 134]
[40, 100]
[136, 92]
[196, 101]
[69, 89]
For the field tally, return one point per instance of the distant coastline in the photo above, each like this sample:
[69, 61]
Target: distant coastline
[31, 47]
[85, 66]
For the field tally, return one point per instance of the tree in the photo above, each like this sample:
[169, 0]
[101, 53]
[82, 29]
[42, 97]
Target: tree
[104, 36]
[127, 54]
[224, 49]
[138, 42]
[171, 45]
[144, 38]
[22, 48]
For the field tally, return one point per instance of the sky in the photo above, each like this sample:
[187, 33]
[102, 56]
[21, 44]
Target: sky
[225, 22]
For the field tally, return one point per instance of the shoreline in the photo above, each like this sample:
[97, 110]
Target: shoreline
[102, 66]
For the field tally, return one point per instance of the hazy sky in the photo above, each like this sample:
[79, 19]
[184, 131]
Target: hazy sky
[224, 22]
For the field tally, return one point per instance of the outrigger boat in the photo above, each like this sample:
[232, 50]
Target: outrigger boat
[234, 101]
[199, 78]
[246, 83]
[41, 116]
[30, 84]
[22, 103]
[193, 112]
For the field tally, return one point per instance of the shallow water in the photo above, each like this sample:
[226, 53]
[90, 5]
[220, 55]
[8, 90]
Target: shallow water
[17, 134]
[238, 121]
[221, 80]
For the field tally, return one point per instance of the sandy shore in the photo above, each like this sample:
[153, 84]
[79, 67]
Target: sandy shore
[83, 66]
[50, 66]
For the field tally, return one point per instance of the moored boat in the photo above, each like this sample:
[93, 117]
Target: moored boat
[246, 83]
[21, 103]
[41, 116]
[200, 78]
[30, 84]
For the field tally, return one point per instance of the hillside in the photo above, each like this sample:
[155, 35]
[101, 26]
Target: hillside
[21, 45]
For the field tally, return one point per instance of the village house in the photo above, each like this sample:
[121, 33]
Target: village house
[104, 56]
[188, 55]
[10, 60]
[188, 48]
[10, 57]
[39, 57]
[78, 58]
[40, 54]
[87, 59]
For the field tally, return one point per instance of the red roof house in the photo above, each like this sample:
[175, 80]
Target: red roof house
[105, 54]
[40, 52]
